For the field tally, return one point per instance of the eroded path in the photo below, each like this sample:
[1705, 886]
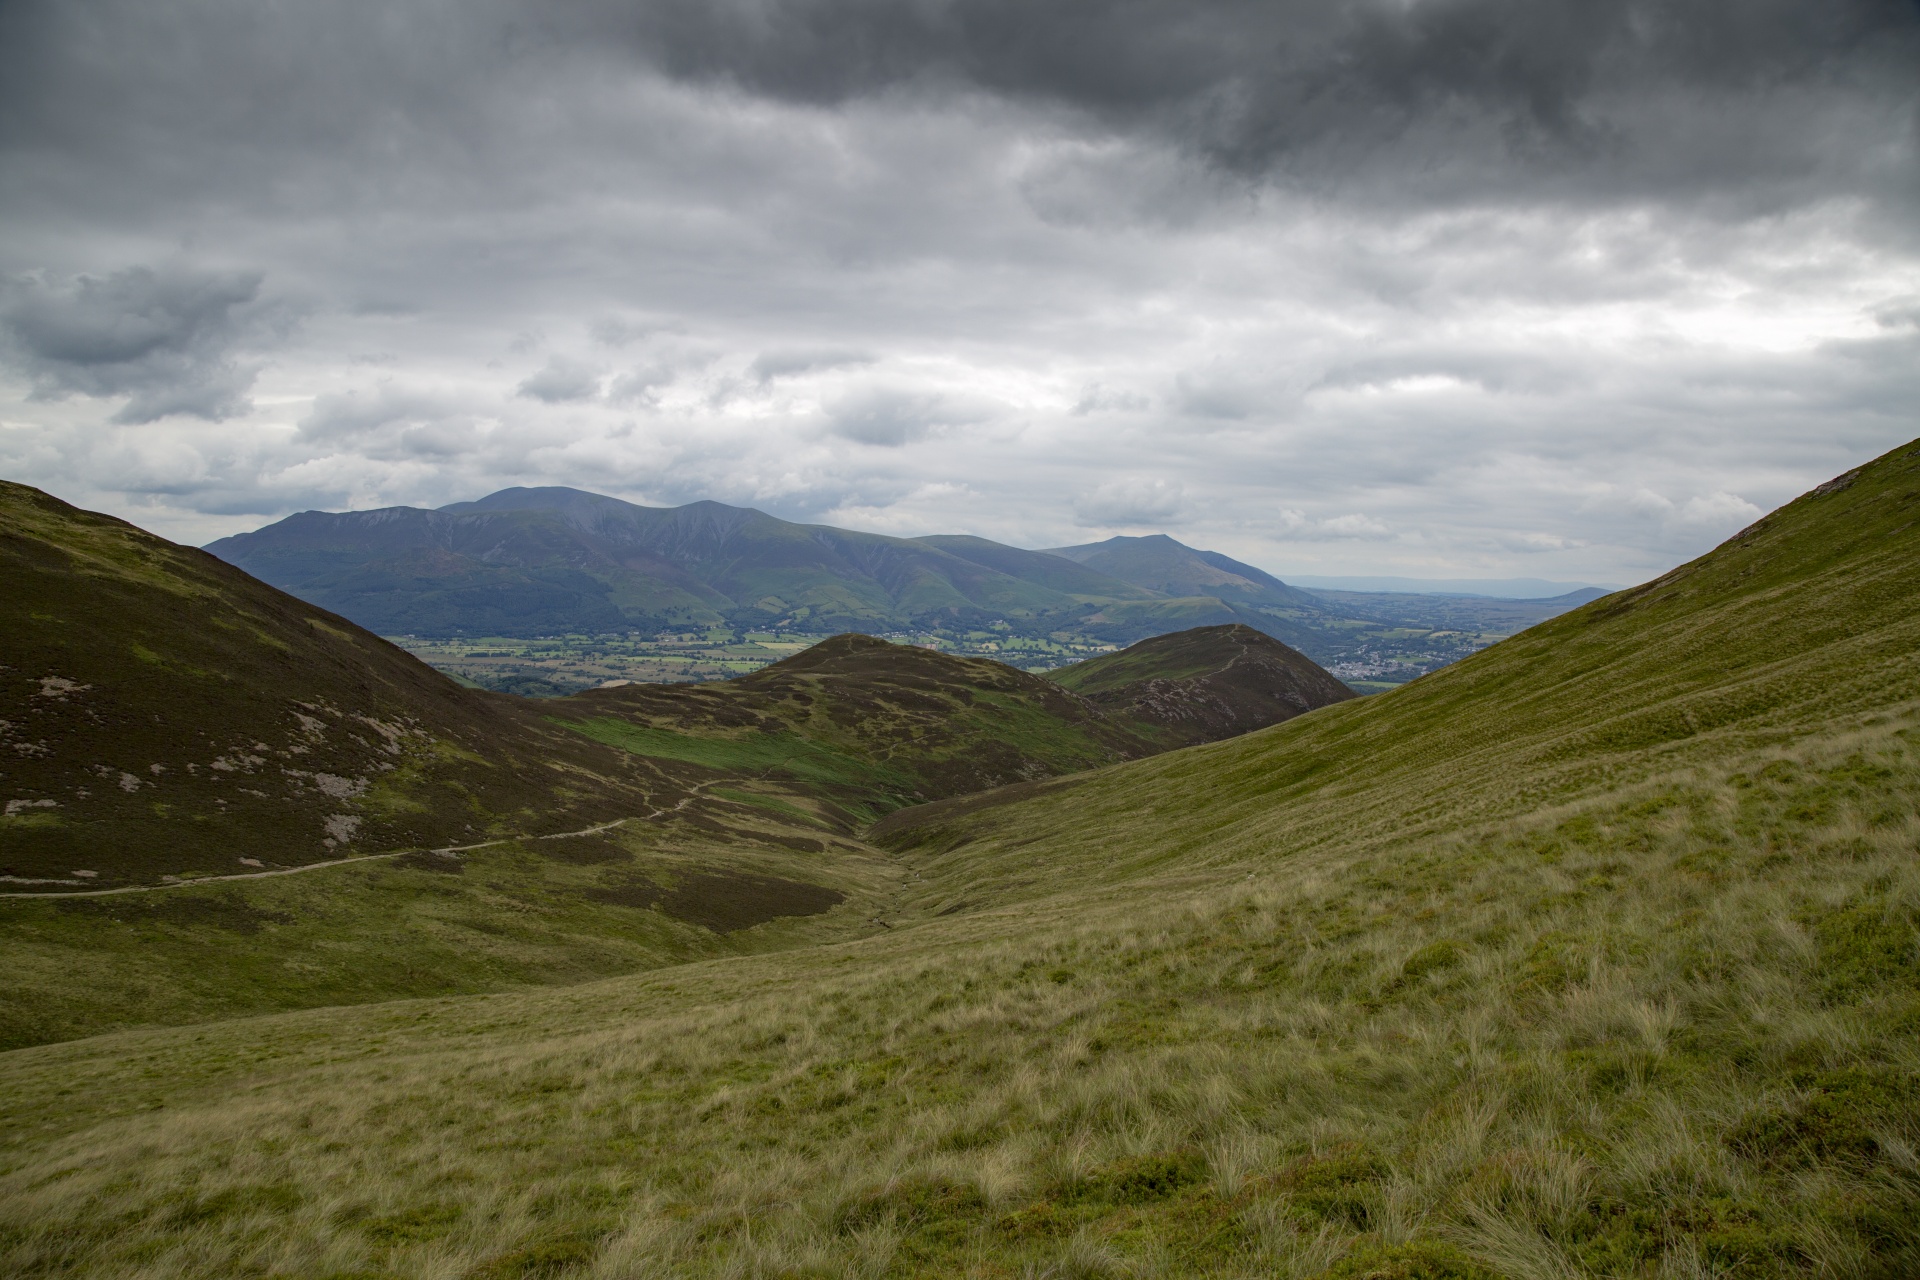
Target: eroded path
[446, 851]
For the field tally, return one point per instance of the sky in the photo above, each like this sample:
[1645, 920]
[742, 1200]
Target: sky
[1569, 289]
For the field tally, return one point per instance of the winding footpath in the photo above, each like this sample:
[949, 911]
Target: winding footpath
[448, 851]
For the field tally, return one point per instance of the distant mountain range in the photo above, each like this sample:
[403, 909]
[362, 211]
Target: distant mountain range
[557, 561]
[561, 561]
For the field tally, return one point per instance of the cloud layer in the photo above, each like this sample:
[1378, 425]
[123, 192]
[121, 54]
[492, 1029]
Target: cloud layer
[1430, 287]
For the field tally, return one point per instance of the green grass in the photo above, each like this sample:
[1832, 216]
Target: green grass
[1131, 666]
[786, 753]
[1594, 955]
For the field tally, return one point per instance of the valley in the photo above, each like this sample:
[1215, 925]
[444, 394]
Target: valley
[1371, 655]
[1593, 953]
[554, 666]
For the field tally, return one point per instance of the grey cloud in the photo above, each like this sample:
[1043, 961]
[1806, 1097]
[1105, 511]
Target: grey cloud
[560, 381]
[894, 416]
[1901, 313]
[618, 331]
[642, 383]
[1533, 367]
[1532, 543]
[349, 414]
[794, 361]
[392, 422]
[1777, 102]
[165, 339]
[1228, 397]
[1096, 397]
[1132, 503]
[1354, 524]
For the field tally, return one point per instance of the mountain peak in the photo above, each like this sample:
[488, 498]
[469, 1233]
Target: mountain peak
[524, 495]
[1170, 567]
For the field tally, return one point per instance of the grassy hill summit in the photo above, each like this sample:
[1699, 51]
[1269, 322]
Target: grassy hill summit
[1596, 954]
[1205, 684]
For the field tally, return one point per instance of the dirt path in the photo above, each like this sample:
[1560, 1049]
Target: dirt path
[341, 862]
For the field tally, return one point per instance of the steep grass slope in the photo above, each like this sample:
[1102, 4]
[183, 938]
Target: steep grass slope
[1807, 615]
[1591, 956]
[1203, 685]
[164, 715]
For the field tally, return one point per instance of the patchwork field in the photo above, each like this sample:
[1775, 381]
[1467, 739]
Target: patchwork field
[560, 665]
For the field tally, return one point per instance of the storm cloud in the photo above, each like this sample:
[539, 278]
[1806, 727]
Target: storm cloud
[1430, 287]
[1613, 95]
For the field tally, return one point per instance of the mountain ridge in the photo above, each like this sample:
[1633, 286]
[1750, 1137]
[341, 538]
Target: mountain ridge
[705, 562]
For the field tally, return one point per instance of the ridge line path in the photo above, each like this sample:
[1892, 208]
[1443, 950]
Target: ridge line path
[447, 851]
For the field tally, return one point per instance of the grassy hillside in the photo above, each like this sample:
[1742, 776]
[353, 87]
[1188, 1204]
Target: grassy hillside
[1593, 955]
[1203, 685]
[727, 878]
[164, 715]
